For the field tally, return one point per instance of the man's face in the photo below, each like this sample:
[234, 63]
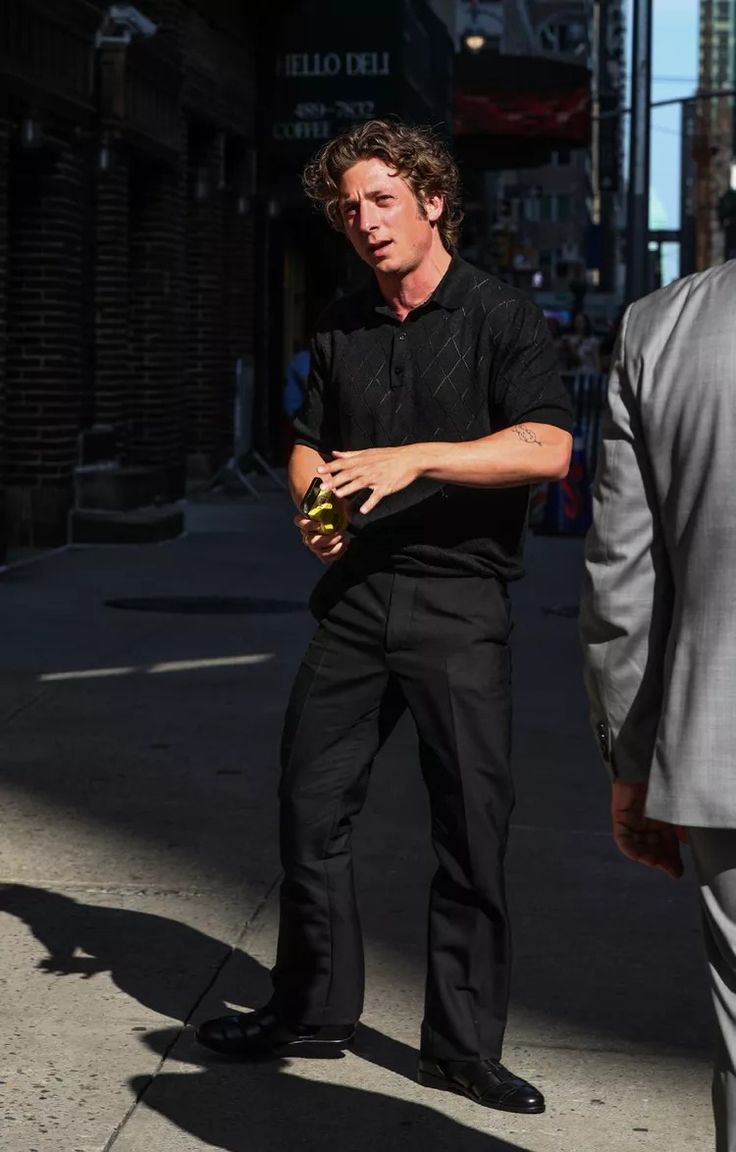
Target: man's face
[382, 219]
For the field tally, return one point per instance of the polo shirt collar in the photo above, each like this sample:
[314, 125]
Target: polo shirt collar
[452, 290]
[450, 293]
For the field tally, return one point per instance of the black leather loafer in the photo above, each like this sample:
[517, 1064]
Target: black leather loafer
[262, 1033]
[486, 1082]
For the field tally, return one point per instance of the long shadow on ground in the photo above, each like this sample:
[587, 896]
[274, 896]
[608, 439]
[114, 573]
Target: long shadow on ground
[237, 1107]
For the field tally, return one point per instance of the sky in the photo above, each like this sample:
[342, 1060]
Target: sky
[674, 74]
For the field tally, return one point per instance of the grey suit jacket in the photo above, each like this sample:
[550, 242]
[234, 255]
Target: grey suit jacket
[658, 617]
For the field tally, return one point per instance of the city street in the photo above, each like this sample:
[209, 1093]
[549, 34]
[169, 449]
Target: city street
[141, 695]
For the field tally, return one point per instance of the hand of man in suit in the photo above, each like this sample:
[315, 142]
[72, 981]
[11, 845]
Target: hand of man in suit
[643, 840]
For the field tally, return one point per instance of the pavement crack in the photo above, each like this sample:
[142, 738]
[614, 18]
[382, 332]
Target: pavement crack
[22, 708]
[202, 996]
[232, 949]
[119, 1129]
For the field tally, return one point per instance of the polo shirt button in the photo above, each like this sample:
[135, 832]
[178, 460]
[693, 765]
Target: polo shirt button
[402, 335]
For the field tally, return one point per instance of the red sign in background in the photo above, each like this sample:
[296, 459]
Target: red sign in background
[564, 115]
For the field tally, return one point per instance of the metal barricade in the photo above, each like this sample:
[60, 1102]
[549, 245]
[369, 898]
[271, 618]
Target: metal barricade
[563, 508]
[245, 463]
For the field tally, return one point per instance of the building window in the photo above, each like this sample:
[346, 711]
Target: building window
[532, 209]
[547, 208]
[564, 35]
[564, 206]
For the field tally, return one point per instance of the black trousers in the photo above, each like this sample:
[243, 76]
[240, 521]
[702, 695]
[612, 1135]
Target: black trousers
[438, 646]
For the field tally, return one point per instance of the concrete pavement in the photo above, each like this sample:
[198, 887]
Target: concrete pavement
[138, 877]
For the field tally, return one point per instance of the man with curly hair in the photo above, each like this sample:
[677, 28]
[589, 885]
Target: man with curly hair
[433, 403]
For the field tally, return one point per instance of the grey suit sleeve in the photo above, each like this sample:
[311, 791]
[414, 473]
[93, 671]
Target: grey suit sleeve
[626, 605]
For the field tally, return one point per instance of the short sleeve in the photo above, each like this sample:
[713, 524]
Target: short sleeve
[528, 386]
[315, 425]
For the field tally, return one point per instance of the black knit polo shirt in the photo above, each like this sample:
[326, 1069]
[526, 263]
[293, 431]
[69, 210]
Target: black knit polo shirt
[473, 359]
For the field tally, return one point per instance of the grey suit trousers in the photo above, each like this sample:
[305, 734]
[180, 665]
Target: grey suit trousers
[714, 853]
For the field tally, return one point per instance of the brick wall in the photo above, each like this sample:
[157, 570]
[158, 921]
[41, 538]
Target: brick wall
[207, 374]
[5, 131]
[240, 273]
[44, 364]
[219, 85]
[113, 363]
[156, 323]
[170, 15]
[129, 298]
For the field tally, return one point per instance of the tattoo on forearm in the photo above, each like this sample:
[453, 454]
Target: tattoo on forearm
[527, 435]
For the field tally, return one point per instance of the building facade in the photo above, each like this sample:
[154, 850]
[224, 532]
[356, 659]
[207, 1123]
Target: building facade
[126, 250]
[605, 262]
[545, 214]
[552, 203]
[715, 126]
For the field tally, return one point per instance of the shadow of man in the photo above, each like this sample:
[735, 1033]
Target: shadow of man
[163, 964]
[264, 1107]
[255, 1107]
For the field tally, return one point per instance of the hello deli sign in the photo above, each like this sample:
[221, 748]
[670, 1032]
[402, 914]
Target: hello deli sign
[323, 92]
[314, 64]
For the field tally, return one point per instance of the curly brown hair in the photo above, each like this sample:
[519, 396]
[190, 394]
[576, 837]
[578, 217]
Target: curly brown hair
[417, 154]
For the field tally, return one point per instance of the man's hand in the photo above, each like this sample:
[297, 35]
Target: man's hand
[641, 839]
[326, 546]
[383, 470]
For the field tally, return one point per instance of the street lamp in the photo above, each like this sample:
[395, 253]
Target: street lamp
[481, 22]
[474, 40]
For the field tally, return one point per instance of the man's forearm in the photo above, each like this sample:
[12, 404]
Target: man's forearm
[523, 454]
[303, 465]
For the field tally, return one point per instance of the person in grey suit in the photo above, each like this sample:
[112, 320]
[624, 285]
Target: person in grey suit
[658, 615]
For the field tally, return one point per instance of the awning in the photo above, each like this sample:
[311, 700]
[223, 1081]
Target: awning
[534, 99]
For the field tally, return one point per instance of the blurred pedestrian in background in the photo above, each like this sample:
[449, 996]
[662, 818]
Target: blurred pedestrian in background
[295, 387]
[295, 384]
[582, 345]
[559, 343]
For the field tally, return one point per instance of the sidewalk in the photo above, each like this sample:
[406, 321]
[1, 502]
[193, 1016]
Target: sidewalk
[138, 874]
